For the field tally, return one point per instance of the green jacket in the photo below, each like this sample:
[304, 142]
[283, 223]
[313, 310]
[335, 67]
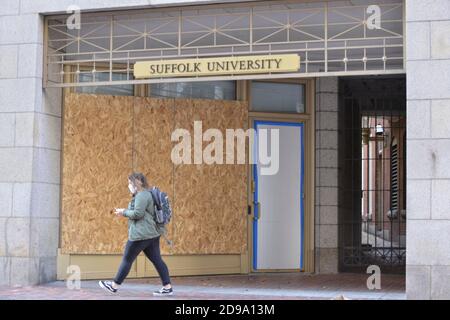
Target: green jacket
[141, 218]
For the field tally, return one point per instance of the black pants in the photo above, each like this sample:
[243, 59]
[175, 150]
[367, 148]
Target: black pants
[152, 252]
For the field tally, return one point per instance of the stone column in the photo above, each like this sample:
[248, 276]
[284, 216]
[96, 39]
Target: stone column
[30, 126]
[428, 148]
[326, 207]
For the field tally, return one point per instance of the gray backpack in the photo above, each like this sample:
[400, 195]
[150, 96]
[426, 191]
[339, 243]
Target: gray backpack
[163, 209]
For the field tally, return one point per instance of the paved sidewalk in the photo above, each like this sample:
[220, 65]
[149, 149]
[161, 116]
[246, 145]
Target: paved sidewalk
[237, 287]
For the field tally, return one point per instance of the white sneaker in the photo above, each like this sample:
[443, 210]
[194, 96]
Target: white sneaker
[107, 285]
[163, 292]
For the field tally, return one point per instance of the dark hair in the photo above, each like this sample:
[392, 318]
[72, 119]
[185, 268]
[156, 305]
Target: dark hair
[140, 177]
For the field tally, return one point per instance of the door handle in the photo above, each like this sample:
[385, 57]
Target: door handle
[257, 209]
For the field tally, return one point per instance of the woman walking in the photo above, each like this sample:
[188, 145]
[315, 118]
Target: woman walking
[143, 235]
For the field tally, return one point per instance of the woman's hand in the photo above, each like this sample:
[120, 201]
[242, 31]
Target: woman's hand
[119, 212]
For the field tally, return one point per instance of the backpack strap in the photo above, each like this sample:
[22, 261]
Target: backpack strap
[153, 191]
[155, 198]
[168, 241]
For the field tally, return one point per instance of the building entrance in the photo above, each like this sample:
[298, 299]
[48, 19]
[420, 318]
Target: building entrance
[372, 194]
[278, 196]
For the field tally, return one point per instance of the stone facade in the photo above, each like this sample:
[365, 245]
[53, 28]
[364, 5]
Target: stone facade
[326, 198]
[30, 128]
[428, 224]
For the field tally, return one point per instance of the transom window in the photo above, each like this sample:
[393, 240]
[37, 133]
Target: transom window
[277, 97]
[217, 90]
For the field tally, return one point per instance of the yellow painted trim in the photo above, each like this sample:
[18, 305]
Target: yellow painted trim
[140, 266]
[245, 268]
[274, 115]
[62, 262]
[309, 177]
[198, 265]
[106, 266]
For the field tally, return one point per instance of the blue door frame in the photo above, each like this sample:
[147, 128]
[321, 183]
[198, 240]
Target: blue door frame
[255, 194]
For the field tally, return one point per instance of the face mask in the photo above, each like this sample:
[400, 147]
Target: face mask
[131, 188]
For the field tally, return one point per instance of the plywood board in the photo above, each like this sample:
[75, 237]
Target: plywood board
[210, 200]
[106, 138]
[153, 122]
[96, 162]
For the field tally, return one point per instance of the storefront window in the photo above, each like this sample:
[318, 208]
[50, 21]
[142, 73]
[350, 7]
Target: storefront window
[278, 97]
[115, 90]
[218, 90]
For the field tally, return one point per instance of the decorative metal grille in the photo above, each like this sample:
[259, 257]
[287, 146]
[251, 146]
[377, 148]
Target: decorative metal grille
[332, 38]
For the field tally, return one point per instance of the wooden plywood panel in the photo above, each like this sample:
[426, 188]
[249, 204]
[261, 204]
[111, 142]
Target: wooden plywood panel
[210, 200]
[100, 132]
[153, 125]
[96, 162]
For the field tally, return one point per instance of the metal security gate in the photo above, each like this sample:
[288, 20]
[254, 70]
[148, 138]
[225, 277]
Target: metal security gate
[372, 175]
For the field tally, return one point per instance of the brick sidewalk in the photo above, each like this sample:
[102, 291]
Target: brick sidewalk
[237, 287]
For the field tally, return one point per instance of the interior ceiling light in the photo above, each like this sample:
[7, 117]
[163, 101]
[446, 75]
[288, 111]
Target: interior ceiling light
[379, 129]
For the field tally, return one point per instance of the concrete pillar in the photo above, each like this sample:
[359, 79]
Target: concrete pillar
[30, 127]
[428, 177]
[326, 207]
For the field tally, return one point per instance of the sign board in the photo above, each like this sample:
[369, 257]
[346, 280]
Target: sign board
[217, 66]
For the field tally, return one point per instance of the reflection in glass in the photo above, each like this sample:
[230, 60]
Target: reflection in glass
[278, 97]
[217, 90]
[115, 90]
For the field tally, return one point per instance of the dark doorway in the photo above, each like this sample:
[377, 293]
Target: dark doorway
[372, 173]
